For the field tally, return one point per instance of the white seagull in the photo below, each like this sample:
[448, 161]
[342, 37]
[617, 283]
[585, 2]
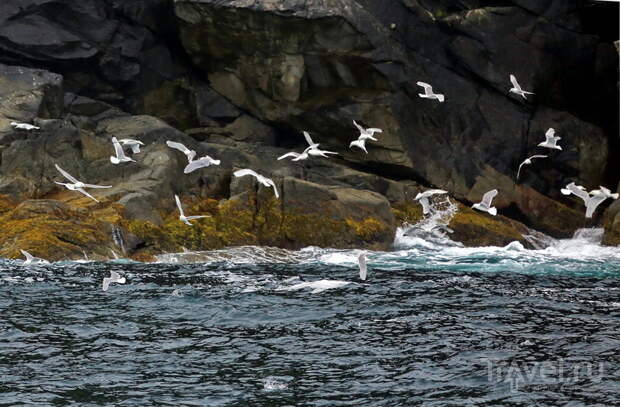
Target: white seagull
[361, 259]
[30, 259]
[134, 145]
[267, 182]
[516, 88]
[319, 153]
[114, 278]
[120, 153]
[312, 149]
[528, 161]
[424, 201]
[296, 156]
[367, 133]
[76, 185]
[485, 204]
[178, 146]
[597, 198]
[182, 217]
[428, 92]
[24, 126]
[550, 140]
[359, 144]
[205, 161]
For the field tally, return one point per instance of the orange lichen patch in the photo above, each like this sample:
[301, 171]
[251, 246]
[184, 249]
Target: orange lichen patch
[368, 229]
[54, 230]
[6, 204]
[480, 229]
[407, 213]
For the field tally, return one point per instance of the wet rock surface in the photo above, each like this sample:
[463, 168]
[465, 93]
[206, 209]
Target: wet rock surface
[240, 80]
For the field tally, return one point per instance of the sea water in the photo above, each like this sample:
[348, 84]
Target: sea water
[435, 324]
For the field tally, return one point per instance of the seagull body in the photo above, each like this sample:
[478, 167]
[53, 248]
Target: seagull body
[190, 154]
[114, 278]
[428, 92]
[516, 88]
[528, 161]
[423, 198]
[297, 156]
[131, 143]
[576, 190]
[597, 198]
[361, 259]
[30, 259]
[120, 153]
[182, 217]
[550, 140]
[24, 126]
[359, 144]
[76, 185]
[367, 134]
[267, 182]
[485, 204]
[205, 161]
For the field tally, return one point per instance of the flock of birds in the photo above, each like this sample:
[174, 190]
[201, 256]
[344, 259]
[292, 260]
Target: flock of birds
[591, 199]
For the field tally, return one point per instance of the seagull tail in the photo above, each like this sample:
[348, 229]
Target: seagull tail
[493, 211]
[114, 160]
[615, 196]
[565, 191]
[441, 98]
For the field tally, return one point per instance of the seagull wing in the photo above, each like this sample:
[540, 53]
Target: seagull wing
[106, 283]
[194, 165]
[360, 128]
[428, 89]
[197, 217]
[361, 259]
[178, 201]
[308, 138]
[118, 149]
[521, 165]
[66, 174]
[82, 191]
[291, 154]
[577, 191]
[178, 146]
[592, 203]
[426, 206]
[373, 130]
[537, 156]
[244, 172]
[97, 186]
[488, 197]
[514, 82]
[29, 257]
[273, 185]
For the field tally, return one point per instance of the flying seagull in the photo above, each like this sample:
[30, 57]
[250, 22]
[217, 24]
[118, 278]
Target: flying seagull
[30, 259]
[134, 145]
[178, 146]
[296, 156]
[312, 149]
[367, 133]
[182, 217]
[428, 92]
[120, 153]
[360, 144]
[485, 204]
[516, 88]
[528, 161]
[550, 140]
[76, 185]
[24, 126]
[361, 259]
[114, 278]
[205, 161]
[597, 198]
[267, 182]
[424, 201]
[319, 153]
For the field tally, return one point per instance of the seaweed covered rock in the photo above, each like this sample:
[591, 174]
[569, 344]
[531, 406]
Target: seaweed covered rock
[611, 223]
[56, 231]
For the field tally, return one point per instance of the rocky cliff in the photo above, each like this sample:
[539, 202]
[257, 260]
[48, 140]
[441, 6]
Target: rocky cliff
[240, 79]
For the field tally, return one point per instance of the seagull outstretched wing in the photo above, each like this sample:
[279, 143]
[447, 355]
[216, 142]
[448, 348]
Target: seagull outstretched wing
[309, 140]
[291, 154]
[514, 82]
[83, 192]
[178, 146]
[66, 174]
[428, 89]
[97, 186]
[178, 201]
[593, 203]
[361, 259]
[488, 197]
[244, 172]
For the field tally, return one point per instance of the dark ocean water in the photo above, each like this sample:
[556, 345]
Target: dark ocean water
[432, 326]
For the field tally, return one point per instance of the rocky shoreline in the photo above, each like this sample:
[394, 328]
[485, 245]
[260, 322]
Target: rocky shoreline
[240, 80]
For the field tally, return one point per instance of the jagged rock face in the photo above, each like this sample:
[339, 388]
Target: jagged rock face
[320, 64]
